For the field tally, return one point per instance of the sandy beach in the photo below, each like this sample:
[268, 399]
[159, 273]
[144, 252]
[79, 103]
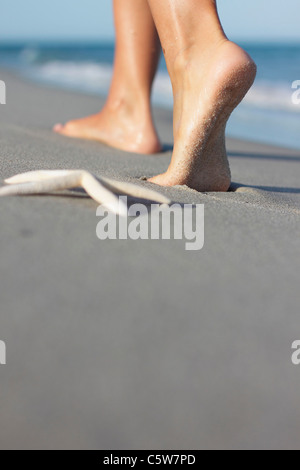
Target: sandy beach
[140, 344]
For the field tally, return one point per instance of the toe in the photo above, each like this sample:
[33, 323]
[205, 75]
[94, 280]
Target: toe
[58, 128]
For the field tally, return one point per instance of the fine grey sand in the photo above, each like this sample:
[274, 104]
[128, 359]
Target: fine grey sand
[141, 344]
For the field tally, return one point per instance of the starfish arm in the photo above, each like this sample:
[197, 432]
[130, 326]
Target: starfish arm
[42, 186]
[97, 191]
[33, 176]
[134, 190]
[18, 189]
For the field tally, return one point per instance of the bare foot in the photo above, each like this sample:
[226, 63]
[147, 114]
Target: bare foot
[117, 125]
[206, 91]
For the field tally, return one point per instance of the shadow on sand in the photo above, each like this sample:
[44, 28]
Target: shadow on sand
[264, 156]
[235, 187]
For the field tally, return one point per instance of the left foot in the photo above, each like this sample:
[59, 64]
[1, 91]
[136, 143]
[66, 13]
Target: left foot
[120, 125]
[203, 101]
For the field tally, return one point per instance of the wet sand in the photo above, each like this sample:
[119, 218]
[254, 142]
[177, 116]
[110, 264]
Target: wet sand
[141, 344]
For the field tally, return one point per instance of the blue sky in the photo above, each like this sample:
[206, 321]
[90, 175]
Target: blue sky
[259, 20]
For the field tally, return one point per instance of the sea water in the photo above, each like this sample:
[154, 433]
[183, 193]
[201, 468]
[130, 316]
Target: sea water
[267, 114]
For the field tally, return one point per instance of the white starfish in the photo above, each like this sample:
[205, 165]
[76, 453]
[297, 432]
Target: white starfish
[102, 190]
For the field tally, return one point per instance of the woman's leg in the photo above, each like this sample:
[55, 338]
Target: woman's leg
[125, 121]
[210, 76]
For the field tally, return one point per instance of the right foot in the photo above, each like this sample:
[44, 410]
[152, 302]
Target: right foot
[206, 91]
[119, 125]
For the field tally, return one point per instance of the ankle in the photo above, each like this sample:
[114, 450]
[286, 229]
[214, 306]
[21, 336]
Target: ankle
[193, 53]
[135, 105]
